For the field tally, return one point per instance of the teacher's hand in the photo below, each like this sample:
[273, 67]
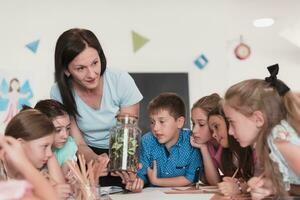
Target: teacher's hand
[101, 165]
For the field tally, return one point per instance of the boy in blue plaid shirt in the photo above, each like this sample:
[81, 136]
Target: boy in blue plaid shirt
[167, 157]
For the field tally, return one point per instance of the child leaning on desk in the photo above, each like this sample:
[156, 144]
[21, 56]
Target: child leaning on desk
[167, 157]
[264, 114]
[32, 185]
[237, 162]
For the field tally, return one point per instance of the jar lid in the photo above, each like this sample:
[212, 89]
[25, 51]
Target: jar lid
[126, 117]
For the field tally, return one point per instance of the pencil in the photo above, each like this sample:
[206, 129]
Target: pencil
[258, 179]
[235, 173]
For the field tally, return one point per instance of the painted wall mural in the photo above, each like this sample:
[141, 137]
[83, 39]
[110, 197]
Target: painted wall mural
[14, 92]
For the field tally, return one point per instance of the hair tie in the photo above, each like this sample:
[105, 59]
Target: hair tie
[280, 86]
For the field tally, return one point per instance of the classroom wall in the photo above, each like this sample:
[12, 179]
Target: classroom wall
[179, 31]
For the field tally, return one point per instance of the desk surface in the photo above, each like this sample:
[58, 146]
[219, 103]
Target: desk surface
[156, 193]
[159, 193]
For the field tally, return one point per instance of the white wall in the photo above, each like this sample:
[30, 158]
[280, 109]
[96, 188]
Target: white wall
[179, 31]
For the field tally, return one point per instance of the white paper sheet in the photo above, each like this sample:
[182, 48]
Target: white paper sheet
[151, 195]
[158, 194]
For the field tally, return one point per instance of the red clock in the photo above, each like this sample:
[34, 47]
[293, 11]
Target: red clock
[242, 51]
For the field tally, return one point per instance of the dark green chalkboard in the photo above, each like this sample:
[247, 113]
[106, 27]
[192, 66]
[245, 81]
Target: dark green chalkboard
[152, 84]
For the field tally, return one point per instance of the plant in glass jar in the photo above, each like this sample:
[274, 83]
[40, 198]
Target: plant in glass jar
[124, 144]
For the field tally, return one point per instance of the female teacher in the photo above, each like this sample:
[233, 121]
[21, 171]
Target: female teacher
[92, 94]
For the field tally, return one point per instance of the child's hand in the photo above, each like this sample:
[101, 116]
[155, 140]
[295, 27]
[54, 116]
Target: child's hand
[63, 191]
[195, 143]
[229, 186]
[70, 177]
[13, 151]
[152, 174]
[260, 188]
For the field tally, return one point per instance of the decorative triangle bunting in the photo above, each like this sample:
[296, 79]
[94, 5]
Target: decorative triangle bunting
[33, 46]
[138, 41]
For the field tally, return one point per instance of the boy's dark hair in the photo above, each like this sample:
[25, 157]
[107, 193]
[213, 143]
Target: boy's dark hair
[167, 101]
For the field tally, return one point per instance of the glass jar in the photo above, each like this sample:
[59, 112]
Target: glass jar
[124, 144]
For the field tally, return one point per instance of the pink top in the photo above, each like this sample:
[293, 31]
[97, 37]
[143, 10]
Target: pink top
[215, 154]
[14, 189]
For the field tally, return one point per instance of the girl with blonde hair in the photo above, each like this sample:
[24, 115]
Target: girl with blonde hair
[265, 114]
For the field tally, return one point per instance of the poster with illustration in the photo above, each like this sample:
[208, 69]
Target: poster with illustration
[15, 91]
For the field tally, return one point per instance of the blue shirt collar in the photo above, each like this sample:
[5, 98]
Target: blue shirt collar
[179, 141]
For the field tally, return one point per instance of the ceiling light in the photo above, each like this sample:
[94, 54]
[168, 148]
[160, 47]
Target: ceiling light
[263, 22]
